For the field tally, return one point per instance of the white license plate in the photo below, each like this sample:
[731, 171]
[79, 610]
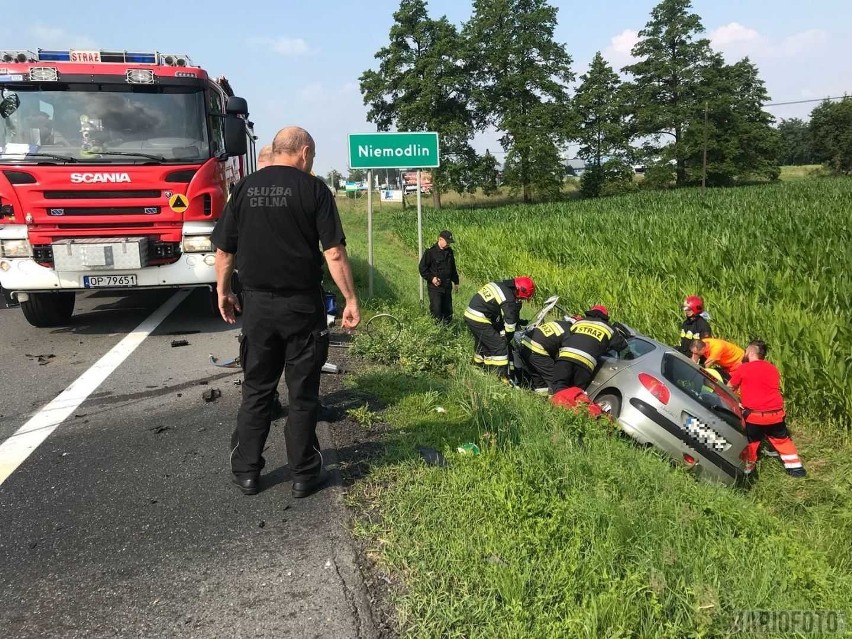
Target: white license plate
[108, 281]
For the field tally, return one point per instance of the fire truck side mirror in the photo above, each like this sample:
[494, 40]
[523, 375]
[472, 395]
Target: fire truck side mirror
[236, 140]
[236, 106]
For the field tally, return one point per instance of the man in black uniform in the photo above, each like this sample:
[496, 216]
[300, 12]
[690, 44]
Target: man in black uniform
[438, 268]
[271, 231]
[492, 317]
[541, 353]
[589, 338]
[695, 325]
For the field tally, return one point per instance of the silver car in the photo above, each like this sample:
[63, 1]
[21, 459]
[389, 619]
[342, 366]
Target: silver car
[661, 398]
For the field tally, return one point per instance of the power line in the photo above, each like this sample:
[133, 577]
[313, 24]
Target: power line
[805, 101]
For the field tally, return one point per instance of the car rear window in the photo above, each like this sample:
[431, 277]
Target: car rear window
[701, 387]
[636, 348]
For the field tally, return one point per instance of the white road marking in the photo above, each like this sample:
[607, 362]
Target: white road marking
[28, 437]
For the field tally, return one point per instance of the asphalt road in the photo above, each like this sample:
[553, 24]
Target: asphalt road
[124, 523]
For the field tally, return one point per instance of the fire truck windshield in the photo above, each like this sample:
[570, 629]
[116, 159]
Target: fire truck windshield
[105, 124]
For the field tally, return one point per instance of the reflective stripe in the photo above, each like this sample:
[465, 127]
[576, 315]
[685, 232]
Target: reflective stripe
[606, 328]
[477, 359]
[510, 328]
[499, 360]
[566, 352]
[790, 457]
[542, 391]
[496, 291]
[534, 346]
[792, 464]
[551, 328]
[476, 316]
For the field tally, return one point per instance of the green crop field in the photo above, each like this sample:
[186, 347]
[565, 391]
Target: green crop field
[773, 261]
[560, 527]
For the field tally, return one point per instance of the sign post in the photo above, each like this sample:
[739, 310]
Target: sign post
[370, 151]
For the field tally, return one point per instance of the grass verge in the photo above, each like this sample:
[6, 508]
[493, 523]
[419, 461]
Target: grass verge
[561, 527]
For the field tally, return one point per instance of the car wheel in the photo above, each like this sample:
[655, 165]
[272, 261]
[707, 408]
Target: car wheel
[611, 404]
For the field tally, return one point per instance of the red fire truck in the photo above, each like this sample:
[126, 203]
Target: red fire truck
[114, 167]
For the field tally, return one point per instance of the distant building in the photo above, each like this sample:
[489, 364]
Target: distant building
[575, 167]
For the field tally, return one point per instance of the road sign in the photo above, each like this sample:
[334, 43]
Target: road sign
[393, 150]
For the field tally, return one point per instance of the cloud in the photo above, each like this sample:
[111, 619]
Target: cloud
[618, 52]
[289, 47]
[50, 37]
[735, 41]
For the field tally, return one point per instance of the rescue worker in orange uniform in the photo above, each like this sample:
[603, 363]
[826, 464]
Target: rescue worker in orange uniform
[589, 338]
[695, 325]
[717, 352]
[492, 317]
[759, 385]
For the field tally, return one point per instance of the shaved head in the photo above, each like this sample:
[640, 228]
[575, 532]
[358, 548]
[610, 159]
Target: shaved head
[264, 156]
[293, 146]
[291, 140]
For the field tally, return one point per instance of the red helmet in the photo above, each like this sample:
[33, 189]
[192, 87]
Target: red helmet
[600, 308]
[524, 287]
[694, 304]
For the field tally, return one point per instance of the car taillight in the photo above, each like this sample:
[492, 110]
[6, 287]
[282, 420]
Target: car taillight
[689, 460]
[655, 387]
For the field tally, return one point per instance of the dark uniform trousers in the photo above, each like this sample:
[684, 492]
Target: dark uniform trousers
[491, 349]
[441, 303]
[555, 376]
[282, 332]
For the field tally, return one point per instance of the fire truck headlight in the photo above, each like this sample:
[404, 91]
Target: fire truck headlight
[15, 248]
[197, 244]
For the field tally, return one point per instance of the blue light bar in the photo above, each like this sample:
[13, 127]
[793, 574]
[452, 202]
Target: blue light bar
[141, 58]
[54, 56]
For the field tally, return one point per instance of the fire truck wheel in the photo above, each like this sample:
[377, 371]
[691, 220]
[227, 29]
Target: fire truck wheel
[48, 309]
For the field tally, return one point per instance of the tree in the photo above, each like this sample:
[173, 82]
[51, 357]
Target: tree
[666, 79]
[795, 142]
[602, 124]
[521, 76]
[333, 179]
[740, 139]
[421, 85]
[831, 133]
[357, 175]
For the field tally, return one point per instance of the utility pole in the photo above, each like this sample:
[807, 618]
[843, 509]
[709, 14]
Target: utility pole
[704, 164]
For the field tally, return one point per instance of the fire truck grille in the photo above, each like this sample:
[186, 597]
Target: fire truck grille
[101, 195]
[105, 210]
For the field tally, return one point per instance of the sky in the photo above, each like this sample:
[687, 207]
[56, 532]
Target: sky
[299, 62]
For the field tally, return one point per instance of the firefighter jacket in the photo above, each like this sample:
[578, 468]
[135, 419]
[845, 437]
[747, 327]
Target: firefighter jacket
[495, 304]
[548, 339]
[590, 338]
[441, 263]
[694, 327]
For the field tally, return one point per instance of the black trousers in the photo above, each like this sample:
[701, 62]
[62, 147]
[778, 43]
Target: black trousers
[281, 333]
[539, 369]
[490, 350]
[570, 374]
[441, 303]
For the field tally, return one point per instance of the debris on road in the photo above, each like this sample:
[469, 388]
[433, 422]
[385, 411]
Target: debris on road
[41, 359]
[179, 342]
[159, 429]
[211, 395]
[184, 332]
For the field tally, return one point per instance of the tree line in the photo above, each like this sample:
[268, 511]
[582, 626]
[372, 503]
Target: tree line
[681, 111]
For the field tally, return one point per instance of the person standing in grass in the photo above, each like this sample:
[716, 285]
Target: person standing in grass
[438, 268]
[492, 316]
[695, 325]
[759, 385]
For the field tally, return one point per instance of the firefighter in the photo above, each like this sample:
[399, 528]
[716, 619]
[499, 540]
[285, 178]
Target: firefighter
[540, 354]
[717, 352]
[438, 268]
[492, 316]
[590, 338]
[759, 385]
[696, 324]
